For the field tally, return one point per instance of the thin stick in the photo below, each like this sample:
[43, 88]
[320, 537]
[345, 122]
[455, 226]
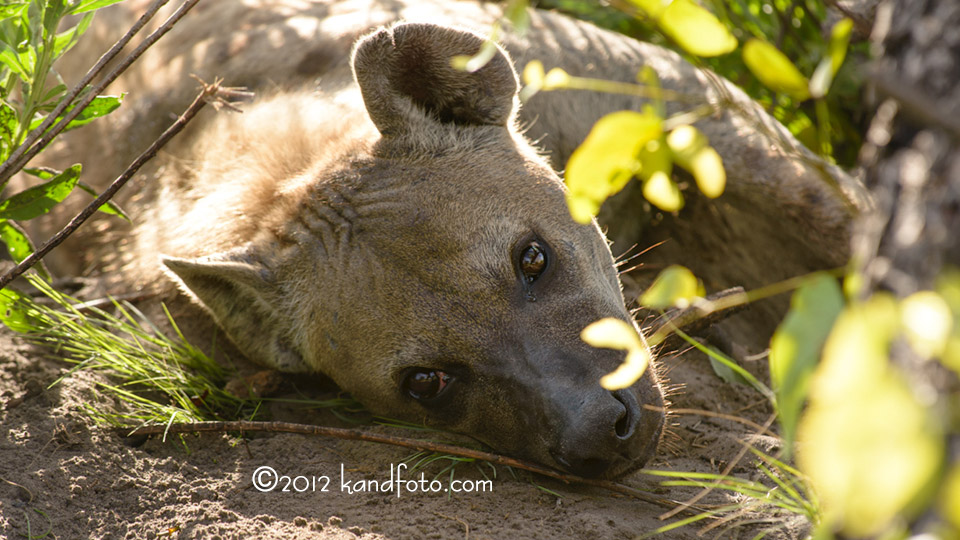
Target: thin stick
[466, 526]
[726, 472]
[722, 416]
[206, 93]
[415, 444]
[734, 297]
[26, 151]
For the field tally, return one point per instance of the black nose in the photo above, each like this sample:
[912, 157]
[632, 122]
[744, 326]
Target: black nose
[597, 434]
[627, 422]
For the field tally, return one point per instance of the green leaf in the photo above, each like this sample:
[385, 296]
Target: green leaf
[108, 207]
[556, 79]
[675, 286]
[948, 285]
[655, 168]
[662, 191]
[607, 159]
[10, 58]
[90, 5]
[950, 500]
[19, 42]
[691, 151]
[839, 40]
[13, 313]
[611, 333]
[8, 124]
[517, 12]
[823, 76]
[692, 27]
[52, 13]
[43, 174]
[13, 9]
[533, 74]
[38, 200]
[795, 347]
[775, 70]
[473, 63]
[28, 23]
[100, 106]
[18, 245]
[871, 449]
[53, 93]
[616, 334]
[68, 38]
[28, 58]
[727, 373]
[707, 169]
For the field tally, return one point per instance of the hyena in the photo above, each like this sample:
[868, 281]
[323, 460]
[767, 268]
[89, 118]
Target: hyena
[400, 225]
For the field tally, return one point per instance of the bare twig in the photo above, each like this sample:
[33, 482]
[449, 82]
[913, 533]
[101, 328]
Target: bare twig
[700, 314]
[26, 151]
[416, 444]
[466, 526]
[208, 92]
[735, 297]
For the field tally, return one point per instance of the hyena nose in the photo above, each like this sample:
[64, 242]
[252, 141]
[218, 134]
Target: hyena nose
[627, 421]
[597, 436]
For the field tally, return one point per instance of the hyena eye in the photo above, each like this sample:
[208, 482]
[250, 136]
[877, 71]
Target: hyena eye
[533, 261]
[424, 384]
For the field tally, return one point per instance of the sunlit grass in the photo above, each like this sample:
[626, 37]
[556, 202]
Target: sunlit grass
[779, 499]
[153, 376]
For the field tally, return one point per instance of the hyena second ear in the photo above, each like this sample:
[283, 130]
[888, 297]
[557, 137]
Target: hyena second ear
[241, 295]
[408, 65]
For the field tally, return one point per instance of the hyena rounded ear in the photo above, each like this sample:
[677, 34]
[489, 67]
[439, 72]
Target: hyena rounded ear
[407, 66]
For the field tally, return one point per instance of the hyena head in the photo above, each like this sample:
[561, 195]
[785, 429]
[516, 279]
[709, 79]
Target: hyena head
[437, 274]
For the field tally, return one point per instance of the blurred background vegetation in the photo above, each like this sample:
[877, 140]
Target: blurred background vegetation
[798, 28]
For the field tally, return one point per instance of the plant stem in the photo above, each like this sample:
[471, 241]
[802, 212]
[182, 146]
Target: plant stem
[38, 83]
[630, 89]
[706, 307]
[823, 128]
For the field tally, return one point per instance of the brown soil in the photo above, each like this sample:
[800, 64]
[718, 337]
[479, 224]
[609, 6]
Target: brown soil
[63, 475]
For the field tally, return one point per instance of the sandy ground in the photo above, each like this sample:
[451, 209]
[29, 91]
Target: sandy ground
[62, 475]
